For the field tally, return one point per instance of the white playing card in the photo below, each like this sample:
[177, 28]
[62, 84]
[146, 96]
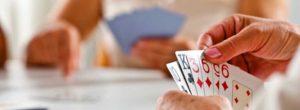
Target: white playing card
[226, 80]
[229, 74]
[244, 87]
[186, 69]
[178, 76]
[206, 70]
[216, 77]
[194, 61]
[241, 96]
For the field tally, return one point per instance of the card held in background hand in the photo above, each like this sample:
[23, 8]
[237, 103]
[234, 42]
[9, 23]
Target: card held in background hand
[146, 23]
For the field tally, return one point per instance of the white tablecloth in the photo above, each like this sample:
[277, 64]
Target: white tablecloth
[101, 89]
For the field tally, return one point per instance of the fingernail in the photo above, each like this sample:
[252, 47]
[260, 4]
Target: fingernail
[213, 53]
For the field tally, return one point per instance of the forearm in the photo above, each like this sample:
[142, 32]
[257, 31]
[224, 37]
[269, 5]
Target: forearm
[83, 14]
[275, 9]
[3, 49]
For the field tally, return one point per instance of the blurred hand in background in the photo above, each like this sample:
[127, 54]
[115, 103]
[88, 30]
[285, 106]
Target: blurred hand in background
[3, 48]
[156, 53]
[57, 45]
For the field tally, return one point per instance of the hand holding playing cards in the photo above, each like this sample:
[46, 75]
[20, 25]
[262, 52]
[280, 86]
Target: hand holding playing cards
[156, 52]
[57, 45]
[259, 46]
[176, 100]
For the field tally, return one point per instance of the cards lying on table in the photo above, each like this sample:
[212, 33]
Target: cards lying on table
[150, 23]
[196, 76]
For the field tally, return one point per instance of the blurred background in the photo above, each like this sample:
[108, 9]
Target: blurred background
[22, 18]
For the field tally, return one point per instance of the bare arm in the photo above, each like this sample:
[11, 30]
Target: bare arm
[3, 49]
[275, 9]
[83, 14]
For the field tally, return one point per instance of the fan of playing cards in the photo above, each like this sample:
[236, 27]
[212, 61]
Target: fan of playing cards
[195, 76]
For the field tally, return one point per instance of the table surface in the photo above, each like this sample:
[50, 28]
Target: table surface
[90, 89]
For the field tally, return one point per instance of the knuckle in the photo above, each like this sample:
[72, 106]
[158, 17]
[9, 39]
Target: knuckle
[165, 100]
[236, 16]
[168, 95]
[257, 28]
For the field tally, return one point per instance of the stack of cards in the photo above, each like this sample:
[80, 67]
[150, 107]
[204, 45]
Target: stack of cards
[196, 76]
[152, 22]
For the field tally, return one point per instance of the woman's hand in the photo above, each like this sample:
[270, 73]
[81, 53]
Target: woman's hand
[57, 45]
[259, 46]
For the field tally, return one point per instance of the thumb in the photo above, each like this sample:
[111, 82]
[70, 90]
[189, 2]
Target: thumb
[243, 42]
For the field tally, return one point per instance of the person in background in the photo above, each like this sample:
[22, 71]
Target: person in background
[258, 46]
[3, 49]
[74, 21]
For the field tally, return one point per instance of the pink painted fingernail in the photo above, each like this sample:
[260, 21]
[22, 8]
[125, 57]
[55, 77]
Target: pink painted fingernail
[213, 53]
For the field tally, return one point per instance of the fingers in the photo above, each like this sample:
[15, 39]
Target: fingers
[153, 60]
[176, 100]
[205, 41]
[234, 46]
[227, 28]
[155, 56]
[156, 53]
[171, 101]
[159, 46]
[232, 37]
[56, 45]
[70, 51]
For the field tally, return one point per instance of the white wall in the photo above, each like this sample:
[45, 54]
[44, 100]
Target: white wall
[21, 19]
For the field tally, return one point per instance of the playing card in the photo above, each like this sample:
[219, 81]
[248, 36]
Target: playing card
[208, 78]
[155, 22]
[241, 96]
[215, 77]
[229, 74]
[194, 61]
[178, 76]
[186, 69]
[244, 87]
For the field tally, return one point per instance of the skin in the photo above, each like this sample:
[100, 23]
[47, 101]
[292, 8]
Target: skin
[85, 14]
[60, 48]
[162, 53]
[3, 49]
[59, 42]
[177, 100]
[261, 46]
[156, 53]
[258, 46]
